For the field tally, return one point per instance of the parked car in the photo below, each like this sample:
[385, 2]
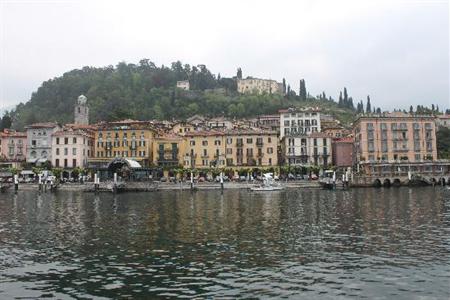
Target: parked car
[163, 179]
[201, 179]
[291, 176]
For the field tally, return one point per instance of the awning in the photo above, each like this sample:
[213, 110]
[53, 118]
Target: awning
[133, 163]
[42, 160]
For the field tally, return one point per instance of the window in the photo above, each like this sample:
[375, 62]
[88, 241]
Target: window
[229, 151]
[229, 141]
[205, 152]
[204, 143]
[66, 151]
[74, 151]
[192, 143]
[57, 163]
[57, 141]
[33, 154]
[217, 142]
[249, 141]
[65, 162]
[269, 150]
[66, 141]
[74, 140]
[74, 163]
[57, 151]
[33, 142]
[269, 140]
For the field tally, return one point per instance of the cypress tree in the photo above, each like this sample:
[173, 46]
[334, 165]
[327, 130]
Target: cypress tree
[368, 105]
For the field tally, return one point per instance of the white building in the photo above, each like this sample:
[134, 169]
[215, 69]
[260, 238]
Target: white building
[443, 121]
[307, 150]
[183, 84]
[39, 142]
[72, 147]
[259, 86]
[299, 121]
[219, 123]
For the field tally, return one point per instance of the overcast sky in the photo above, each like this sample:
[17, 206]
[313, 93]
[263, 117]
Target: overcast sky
[395, 51]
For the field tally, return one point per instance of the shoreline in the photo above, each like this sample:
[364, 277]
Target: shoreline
[185, 186]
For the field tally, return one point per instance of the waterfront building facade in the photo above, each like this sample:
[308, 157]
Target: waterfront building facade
[12, 148]
[259, 86]
[72, 147]
[168, 151]
[299, 121]
[394, 137]
[251, 148]
[127, 139]
[307, 150]
[39, 142]
[342, 152]
[204, 149]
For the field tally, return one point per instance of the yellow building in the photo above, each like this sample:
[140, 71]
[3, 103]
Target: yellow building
[182, 128]
[168, 150]
[251, 148]
[204, 149]
[125, 139]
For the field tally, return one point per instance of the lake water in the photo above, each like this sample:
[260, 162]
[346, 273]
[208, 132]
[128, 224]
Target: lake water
[362, 243]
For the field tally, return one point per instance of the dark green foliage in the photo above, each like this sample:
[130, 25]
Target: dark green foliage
[368, 105]
[145, 91]
[443, 142]
[5, 122]
[239, 73]
[302, 92]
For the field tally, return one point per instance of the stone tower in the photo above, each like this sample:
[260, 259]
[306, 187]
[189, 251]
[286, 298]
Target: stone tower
[82, 111]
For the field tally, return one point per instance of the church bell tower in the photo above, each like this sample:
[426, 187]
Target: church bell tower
[82, 111]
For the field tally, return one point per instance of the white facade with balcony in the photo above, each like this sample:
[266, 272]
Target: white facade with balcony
[299, 122]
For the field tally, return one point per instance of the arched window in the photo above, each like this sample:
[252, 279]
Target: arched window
[33, 154]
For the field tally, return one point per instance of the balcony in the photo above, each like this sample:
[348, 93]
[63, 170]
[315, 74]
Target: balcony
[239, 144]
[259, 155]
[259, 143]
[401, 150]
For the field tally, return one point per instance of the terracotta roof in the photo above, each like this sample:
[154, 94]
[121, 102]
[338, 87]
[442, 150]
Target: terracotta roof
[12, 133]
[247, 131]
[203, 133]
[70, 131]
[43, 125]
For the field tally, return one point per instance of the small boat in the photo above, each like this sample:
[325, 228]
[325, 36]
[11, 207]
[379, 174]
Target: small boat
[327, 183]
[268, 184]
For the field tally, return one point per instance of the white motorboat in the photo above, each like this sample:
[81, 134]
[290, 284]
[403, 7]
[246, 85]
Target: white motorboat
[268, 184]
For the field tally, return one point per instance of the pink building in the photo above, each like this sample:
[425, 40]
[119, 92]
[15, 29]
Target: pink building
[343, 152]
[13, 148]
